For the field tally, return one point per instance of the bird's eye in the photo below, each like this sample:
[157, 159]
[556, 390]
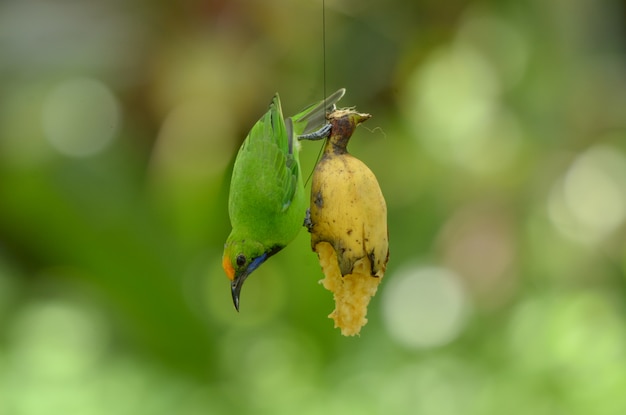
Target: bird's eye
[241, 260]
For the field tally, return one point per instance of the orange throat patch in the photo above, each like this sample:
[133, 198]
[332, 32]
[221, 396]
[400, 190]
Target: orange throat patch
[228, 267]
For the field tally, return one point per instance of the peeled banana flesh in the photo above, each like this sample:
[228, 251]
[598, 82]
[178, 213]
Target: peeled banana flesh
[348, 225]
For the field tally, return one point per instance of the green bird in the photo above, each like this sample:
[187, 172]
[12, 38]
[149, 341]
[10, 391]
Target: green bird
[267, 203]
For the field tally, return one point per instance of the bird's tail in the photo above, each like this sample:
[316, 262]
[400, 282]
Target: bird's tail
[313, 117]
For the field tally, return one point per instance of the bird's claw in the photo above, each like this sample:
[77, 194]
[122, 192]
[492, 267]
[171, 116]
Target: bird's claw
[307, 220]
[323, 132]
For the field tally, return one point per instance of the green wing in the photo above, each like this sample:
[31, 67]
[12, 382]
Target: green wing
[266, 172]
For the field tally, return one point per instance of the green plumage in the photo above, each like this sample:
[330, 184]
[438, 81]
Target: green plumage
[266, 192]
[267, 203]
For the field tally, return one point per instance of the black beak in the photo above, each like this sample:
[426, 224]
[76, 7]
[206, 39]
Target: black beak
[235, 287]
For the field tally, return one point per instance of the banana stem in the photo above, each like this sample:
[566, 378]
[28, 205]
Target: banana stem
[343, 123]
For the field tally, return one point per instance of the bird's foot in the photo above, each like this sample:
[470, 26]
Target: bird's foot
[308, 224]
[323, 132]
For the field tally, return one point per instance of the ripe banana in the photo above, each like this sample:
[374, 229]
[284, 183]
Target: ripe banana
[348, 225]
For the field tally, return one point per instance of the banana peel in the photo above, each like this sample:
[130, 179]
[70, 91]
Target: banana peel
[348, 225]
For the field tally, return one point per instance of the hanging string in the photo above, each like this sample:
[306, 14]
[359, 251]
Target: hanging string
[319, 154]
[324, 48]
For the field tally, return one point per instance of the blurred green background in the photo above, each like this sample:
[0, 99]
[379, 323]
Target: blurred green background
[499, 140]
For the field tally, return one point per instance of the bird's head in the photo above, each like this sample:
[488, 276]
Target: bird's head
[240, 259]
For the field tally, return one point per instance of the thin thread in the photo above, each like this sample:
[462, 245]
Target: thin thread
[324, 48]
[319, 154]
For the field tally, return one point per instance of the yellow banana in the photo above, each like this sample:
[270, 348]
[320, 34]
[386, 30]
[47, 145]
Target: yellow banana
[348, 225]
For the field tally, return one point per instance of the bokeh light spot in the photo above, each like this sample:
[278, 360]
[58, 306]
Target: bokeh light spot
[56, 341]
[478, 242]
[194, 141]
[581, 333]
[589, 202]
[453, 106]
[424, 307]
[454, 94]
[80, 117]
